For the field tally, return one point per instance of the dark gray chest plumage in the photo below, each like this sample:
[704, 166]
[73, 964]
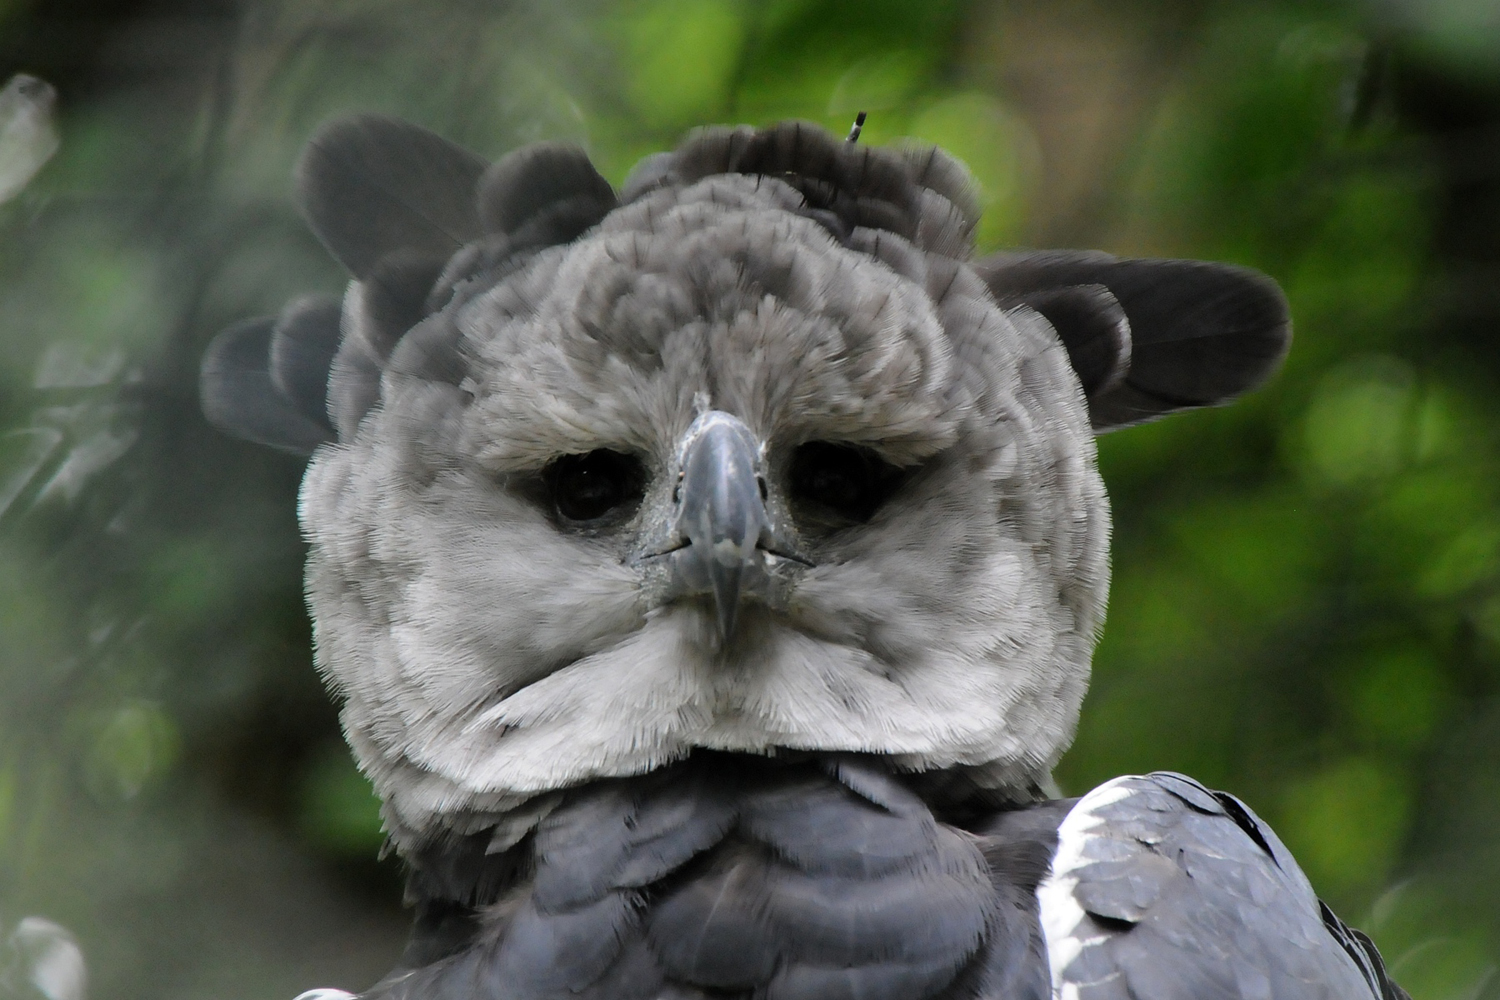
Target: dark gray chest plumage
[729, 876]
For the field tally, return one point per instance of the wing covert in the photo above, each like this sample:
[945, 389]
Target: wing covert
[1161, 888]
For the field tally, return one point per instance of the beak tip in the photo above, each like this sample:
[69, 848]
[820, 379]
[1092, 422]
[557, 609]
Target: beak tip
[726, 595]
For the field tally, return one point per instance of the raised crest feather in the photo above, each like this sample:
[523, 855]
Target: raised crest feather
[303, 343]
[240, 397]
[550, 190]
[370, 185]
[1201, 333]
[418, 220]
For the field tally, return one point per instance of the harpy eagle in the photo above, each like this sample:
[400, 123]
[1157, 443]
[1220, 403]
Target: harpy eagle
[710, 570]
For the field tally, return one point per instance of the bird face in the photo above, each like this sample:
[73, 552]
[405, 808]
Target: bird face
[716, 477]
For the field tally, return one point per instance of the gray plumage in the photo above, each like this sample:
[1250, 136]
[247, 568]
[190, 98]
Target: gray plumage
[731, 875]
[1164, 889]
[710, 574]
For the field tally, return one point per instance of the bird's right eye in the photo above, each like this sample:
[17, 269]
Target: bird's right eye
[595, 486]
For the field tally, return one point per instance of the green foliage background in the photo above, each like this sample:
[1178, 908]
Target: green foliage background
[1306, 606]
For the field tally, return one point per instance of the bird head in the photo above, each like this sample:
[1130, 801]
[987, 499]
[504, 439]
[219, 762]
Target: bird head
[749, 457]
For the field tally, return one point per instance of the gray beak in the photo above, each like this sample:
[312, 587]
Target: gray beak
[721, 515]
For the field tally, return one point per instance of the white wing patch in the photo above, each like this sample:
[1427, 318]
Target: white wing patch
[1062, 918]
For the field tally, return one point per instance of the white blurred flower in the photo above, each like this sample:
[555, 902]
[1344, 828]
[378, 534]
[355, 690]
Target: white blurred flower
[28, 135]
[46, 955]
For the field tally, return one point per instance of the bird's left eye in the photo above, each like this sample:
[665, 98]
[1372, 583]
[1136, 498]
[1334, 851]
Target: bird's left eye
[593, 486]
[844, 480]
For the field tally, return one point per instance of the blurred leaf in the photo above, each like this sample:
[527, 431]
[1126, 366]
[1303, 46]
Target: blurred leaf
[876, 83]
[137, 744]
[810, 58]
[998, 149]
[339, 810]
[1400, 696]
[1360, 423]
[1473, 558]
[1345, 824]
[682, 57]
[1463, 34]
[1260, 553]
[8, 818]
[22, 455]
[1447, 968]
[1355, 281]
[1487, 619]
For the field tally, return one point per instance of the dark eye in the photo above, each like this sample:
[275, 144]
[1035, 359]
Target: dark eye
[846, 480]
[589, 487]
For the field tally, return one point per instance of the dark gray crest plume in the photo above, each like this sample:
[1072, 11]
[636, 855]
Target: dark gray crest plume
[710, 570]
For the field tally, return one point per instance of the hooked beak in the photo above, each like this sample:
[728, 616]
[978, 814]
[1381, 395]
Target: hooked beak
[721, 515]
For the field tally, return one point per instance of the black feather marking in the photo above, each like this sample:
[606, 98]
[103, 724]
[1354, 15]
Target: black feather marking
[836, 226]
[239, 397]
[1185, 789]
[856, 128]
[1246, 821]
[863, 186]
[892, 251]
[920, 194]
[303, 344]
[544, 194]
[1201, 333]
[1365, 955]
[945, 176]
[371, 185]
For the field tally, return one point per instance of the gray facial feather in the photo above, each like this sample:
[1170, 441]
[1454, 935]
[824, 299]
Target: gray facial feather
[489, 653]
[487, 656]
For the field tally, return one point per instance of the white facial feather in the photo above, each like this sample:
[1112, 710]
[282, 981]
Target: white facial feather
[488, 654]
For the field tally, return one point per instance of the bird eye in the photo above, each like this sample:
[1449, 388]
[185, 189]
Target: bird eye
[593, 486]
[846, 480]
